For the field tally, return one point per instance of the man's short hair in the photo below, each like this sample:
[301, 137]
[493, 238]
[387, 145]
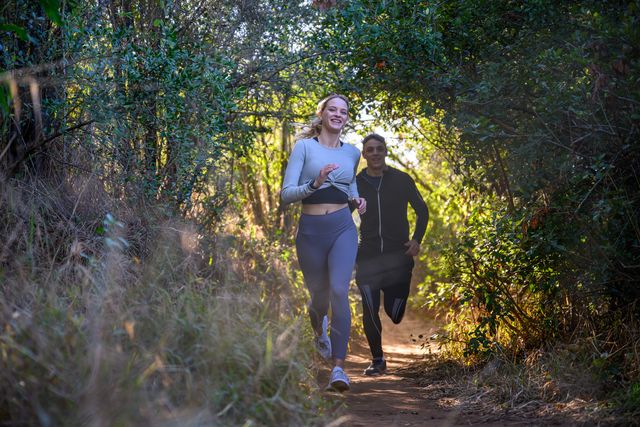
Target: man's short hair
[373, 136]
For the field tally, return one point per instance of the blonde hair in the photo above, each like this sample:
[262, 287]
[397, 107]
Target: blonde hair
[314, 128]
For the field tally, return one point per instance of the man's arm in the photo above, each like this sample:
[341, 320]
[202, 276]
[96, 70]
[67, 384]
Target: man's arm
[422, 212]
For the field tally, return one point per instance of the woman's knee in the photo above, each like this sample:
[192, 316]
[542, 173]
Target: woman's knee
[319, 297]
[340, 294]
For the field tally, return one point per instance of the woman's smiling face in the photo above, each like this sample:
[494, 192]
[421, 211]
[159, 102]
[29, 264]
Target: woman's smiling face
[335, 115]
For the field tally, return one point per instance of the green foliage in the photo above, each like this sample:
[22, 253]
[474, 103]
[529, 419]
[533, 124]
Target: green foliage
[52, 10]
[5, 100]
[170, 101]
[504, 276]
[633, 396]
[164, 108]
[18, 31]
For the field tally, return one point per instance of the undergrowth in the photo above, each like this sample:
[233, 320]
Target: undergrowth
[106, 320]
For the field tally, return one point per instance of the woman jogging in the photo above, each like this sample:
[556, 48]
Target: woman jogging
[321, 173]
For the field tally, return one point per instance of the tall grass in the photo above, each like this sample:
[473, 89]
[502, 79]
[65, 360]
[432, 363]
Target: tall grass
[106, 324]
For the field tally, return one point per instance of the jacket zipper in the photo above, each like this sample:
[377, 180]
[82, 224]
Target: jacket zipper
[380, 215]
[379, 210]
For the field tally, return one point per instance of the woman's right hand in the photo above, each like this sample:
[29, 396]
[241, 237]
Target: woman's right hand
[324, 172]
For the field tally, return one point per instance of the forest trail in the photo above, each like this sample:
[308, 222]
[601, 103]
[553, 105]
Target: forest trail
[391, 400]
[396, 399]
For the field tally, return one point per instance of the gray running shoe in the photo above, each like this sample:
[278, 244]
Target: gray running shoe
[377, 367]
[338, 380]
[323, 343]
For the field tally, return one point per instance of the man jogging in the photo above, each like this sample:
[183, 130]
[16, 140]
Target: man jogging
[385, 254]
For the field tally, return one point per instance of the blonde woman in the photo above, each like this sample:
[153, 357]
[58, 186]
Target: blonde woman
[321, 173]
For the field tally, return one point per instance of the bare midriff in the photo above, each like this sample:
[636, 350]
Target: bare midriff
[322, 208]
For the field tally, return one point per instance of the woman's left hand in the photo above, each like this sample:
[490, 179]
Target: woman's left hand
[361, 204]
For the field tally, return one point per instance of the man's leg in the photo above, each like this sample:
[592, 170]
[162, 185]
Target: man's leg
[395, 301]
[397, 294]
[371, 319]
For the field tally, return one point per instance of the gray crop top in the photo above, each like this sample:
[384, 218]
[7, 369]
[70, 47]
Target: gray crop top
[307, 158]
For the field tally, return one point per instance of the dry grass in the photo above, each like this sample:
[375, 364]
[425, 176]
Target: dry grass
[573, 384]
[127, 320]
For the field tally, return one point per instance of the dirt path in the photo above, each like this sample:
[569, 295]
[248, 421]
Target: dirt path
[390, 400]
[395, 400]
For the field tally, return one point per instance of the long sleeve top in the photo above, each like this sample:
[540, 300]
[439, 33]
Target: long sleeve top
[307, 158]
[384, 227]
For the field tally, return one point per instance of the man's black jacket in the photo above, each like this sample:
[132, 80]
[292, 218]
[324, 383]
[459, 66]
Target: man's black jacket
[384, 226]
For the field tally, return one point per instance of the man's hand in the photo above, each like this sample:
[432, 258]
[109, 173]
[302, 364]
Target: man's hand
[413, 248]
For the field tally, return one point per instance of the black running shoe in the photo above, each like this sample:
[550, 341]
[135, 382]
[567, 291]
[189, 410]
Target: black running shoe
[377, 367]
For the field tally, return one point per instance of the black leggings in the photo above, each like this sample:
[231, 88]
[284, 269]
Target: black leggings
[393, 271]
[395, 302]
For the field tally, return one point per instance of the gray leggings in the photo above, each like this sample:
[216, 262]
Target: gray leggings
[327, 247]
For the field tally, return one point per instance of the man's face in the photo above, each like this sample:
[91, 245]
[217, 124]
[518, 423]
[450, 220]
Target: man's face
[374, 152]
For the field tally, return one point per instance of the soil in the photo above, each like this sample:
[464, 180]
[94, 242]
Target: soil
[401, 398]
